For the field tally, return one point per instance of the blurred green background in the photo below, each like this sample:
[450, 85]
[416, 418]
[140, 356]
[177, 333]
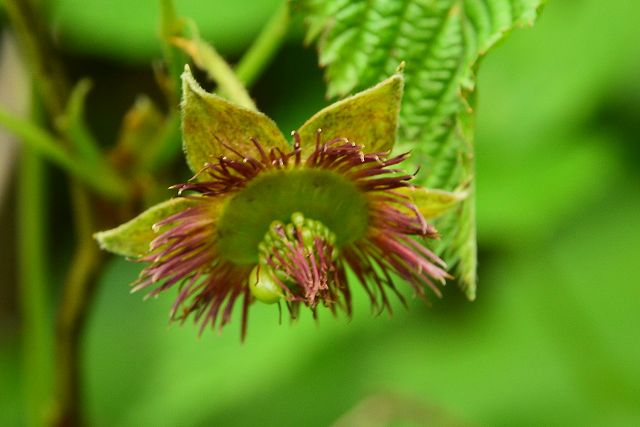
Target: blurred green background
[553, 338]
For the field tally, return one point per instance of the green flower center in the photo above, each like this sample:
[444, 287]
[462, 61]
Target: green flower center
[278, 250]
[323, 195]
[308, 228]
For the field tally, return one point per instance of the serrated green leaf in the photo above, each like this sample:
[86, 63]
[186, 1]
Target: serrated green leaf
[132, 238]
[210, 122]
[360, 41]
[369, 118]
[458, 245]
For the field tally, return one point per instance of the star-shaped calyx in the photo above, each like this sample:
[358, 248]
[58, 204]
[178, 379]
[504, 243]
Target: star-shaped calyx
[266, 220]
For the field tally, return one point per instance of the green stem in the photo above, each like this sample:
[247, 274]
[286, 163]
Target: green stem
[171, 26]
[265, 46]
[73, 126]
[102, 178]
[48, 74]
[208, 58]
[33, 283]
[86, 265]
[258, 56]
[51, 83]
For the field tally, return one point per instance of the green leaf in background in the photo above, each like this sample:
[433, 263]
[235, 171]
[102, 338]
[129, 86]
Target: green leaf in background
[128, 31]
[133, 238]
[440, 41]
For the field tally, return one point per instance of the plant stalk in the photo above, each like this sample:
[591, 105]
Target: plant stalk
[33, 286]
[100, 177]
[264, 48]
[48, 75]
[52, 87]
[85, 268]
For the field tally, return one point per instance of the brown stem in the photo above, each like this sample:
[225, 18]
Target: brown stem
[48, 76]
[86, 265]
[39, 51]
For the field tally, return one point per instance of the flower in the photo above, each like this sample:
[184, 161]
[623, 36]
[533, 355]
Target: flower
[264, 221]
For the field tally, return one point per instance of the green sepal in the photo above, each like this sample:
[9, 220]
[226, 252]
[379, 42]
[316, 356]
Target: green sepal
[433, 203]
[132, 238]
[209, 122]
[369, 118]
